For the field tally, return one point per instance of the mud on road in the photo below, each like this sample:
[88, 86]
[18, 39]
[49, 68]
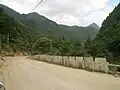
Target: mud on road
[24, 74]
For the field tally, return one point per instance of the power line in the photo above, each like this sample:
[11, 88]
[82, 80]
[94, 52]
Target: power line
[37, 1]
[37, 5]
[22, 2]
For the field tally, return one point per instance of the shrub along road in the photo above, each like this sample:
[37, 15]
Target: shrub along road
[24, 74]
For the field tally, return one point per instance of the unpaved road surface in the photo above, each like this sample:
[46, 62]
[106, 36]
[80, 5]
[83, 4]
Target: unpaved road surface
[23, 74]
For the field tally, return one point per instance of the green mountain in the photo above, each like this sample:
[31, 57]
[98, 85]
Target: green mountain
[109, 34]
[45, 27]
[14, 36]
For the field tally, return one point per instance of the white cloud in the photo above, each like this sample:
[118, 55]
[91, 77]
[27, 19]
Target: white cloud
[70, 12]
[66, 18]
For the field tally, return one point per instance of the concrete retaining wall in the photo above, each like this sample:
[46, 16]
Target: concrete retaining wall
[100, 64]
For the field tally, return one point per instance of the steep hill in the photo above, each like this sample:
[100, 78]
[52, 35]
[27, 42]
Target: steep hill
[14, 36]
[109, 34]
[45, 27]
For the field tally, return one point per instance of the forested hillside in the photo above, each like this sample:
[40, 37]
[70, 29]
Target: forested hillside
[14, 36]
[45, 27]
[109, 36]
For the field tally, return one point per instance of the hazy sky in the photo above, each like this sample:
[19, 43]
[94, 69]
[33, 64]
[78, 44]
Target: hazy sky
[68, 12]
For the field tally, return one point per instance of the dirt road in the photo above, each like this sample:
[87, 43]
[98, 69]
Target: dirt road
[23, 74]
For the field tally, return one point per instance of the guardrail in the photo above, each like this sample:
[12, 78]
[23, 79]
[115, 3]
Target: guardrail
[114, 69]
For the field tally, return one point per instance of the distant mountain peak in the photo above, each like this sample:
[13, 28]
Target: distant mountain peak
[94, 25]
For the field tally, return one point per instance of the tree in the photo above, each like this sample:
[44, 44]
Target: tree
[83, 51]
[87, 45]
[91, 48]
[0, 42]
[43, 45]
[109, 56]
[31, 41]
[76, 48]
[94, 50]
[64, 47]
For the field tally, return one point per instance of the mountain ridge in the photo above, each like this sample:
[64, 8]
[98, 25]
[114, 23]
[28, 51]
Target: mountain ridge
[45, 27]
[18, 14]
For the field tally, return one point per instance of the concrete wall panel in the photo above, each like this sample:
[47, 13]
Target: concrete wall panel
[100, 64]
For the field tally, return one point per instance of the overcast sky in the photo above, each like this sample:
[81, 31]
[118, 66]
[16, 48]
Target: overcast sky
[68, 12]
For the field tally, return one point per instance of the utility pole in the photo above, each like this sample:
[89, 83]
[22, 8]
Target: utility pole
[30, 42]
[0, 43]
[8, 38]
[22, 2]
